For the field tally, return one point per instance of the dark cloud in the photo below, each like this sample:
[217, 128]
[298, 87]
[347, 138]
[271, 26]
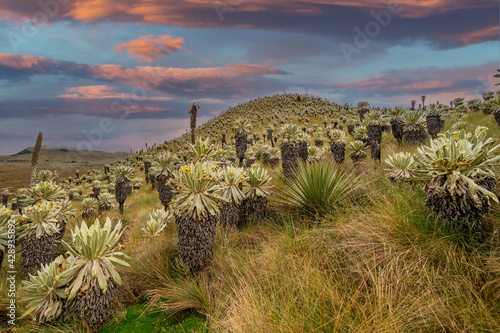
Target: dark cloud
[443, 23]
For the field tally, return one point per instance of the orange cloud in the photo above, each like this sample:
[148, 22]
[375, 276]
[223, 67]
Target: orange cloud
[105, 92]
[148, 49]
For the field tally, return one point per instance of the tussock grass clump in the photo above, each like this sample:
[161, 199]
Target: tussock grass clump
[319, 187]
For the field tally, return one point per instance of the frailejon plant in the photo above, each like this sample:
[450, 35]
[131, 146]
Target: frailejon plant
[196, 208]
[375, 120]
[241, 126]
[203, 150]
[45, 292]
[314, 153]
[401, 166]
[337, 144]
[459, 167]
[161, 169]
[90, 207]
[105, 202]
[157, 222]
[44, 191]
[414, 130]
[230, 211]
[434, 123]
[93, 278]
[289, 152]
[39, 226]
[123, 175]
[257, 189]
[357, 151]
[45, 176]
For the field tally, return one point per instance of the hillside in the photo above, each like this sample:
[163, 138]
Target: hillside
[357, 252]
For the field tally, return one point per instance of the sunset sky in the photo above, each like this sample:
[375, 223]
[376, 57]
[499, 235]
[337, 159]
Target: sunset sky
[113, 74]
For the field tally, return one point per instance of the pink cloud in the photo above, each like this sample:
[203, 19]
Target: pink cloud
[233, 77]
[207, 100]
[148, 48]
[21, 61]
[105, 92]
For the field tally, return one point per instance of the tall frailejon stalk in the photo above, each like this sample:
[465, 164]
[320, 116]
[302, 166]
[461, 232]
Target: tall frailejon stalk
[193, 111]
[35, 157]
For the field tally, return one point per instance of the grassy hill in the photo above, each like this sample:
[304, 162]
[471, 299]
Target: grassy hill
[380, 261]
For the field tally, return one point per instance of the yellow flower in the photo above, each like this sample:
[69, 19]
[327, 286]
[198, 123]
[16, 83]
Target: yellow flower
[187, 170]
[203, 171]
[44, 186]
[213, 167]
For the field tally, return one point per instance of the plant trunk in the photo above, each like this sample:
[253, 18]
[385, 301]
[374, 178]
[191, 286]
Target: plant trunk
[289, 158]
[196, 240]
[35, 252]
[460, 211]
[94, 305]
[338, 151]
[434, 124]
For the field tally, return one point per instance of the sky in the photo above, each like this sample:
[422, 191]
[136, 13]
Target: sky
[113, 75]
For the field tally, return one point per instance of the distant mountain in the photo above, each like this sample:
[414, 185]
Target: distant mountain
[58, 157]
